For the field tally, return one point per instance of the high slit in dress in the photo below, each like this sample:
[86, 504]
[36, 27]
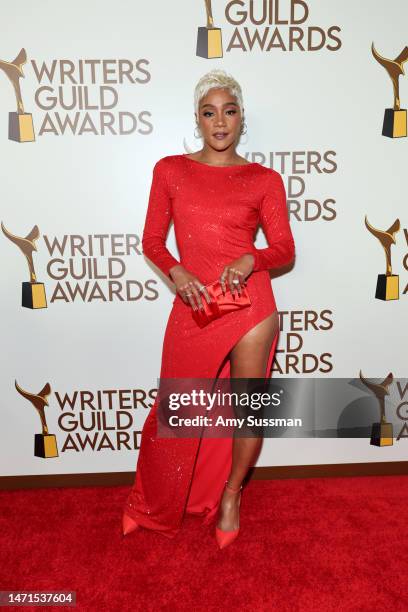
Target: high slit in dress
[216, 211]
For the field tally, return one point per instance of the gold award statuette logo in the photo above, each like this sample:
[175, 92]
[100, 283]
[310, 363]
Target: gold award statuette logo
[209, 40]
[388, 283]
[395, 119]
[45, 444]
[381, 433]
[21, 127]
[33, 293]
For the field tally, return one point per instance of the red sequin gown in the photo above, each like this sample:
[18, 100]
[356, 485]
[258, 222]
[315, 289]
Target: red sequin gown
[216, 211]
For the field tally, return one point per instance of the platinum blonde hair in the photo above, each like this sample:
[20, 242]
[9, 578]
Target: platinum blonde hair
[219, 79]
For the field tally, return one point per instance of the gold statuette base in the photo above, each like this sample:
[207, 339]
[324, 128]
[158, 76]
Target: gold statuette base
[381, 434]
[45, 446]
[21, 128]
[33, 295]
[395, 123]
[209, 42]
[387, 287]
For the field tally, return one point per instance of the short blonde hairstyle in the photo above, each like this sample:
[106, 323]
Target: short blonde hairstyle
[220, 79]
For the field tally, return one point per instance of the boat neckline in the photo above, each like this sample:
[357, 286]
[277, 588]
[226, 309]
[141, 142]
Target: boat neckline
[215, 166]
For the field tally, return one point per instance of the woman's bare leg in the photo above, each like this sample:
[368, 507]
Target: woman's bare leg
[249, 359]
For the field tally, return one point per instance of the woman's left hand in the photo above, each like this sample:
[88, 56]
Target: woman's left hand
[236, 272]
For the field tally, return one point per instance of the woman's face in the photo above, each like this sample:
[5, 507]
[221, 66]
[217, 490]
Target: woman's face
[219, 118]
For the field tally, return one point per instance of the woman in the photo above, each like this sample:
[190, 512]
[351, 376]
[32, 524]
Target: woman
[217, 199]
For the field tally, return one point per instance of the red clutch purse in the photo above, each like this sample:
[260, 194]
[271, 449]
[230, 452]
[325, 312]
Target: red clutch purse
[220, 304]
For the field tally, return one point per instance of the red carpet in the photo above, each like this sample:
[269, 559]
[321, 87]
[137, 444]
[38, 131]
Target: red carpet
[317, 544]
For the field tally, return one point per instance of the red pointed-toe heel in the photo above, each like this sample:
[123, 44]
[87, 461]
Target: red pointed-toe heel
[224, 538]
[128, 524]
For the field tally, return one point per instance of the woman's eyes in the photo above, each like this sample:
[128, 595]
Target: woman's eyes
[231, 110]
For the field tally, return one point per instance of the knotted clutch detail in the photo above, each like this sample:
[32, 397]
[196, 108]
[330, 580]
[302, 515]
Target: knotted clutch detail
[220, 304]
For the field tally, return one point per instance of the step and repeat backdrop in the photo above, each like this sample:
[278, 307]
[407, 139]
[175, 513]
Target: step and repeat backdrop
[92, 94]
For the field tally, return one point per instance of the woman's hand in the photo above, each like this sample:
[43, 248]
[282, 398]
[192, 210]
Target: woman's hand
[189, 287]
[236, 273]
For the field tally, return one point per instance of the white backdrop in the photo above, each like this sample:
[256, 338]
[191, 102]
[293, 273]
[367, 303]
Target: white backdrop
[75, 181]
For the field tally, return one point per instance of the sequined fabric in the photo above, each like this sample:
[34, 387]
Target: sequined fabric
[216, 211]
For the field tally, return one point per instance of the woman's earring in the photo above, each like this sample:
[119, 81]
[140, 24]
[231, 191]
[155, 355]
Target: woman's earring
[242, 132]
[195, 136]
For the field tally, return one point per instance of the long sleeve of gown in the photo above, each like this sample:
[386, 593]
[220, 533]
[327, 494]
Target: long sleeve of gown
[275, 224]
[157, 222]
